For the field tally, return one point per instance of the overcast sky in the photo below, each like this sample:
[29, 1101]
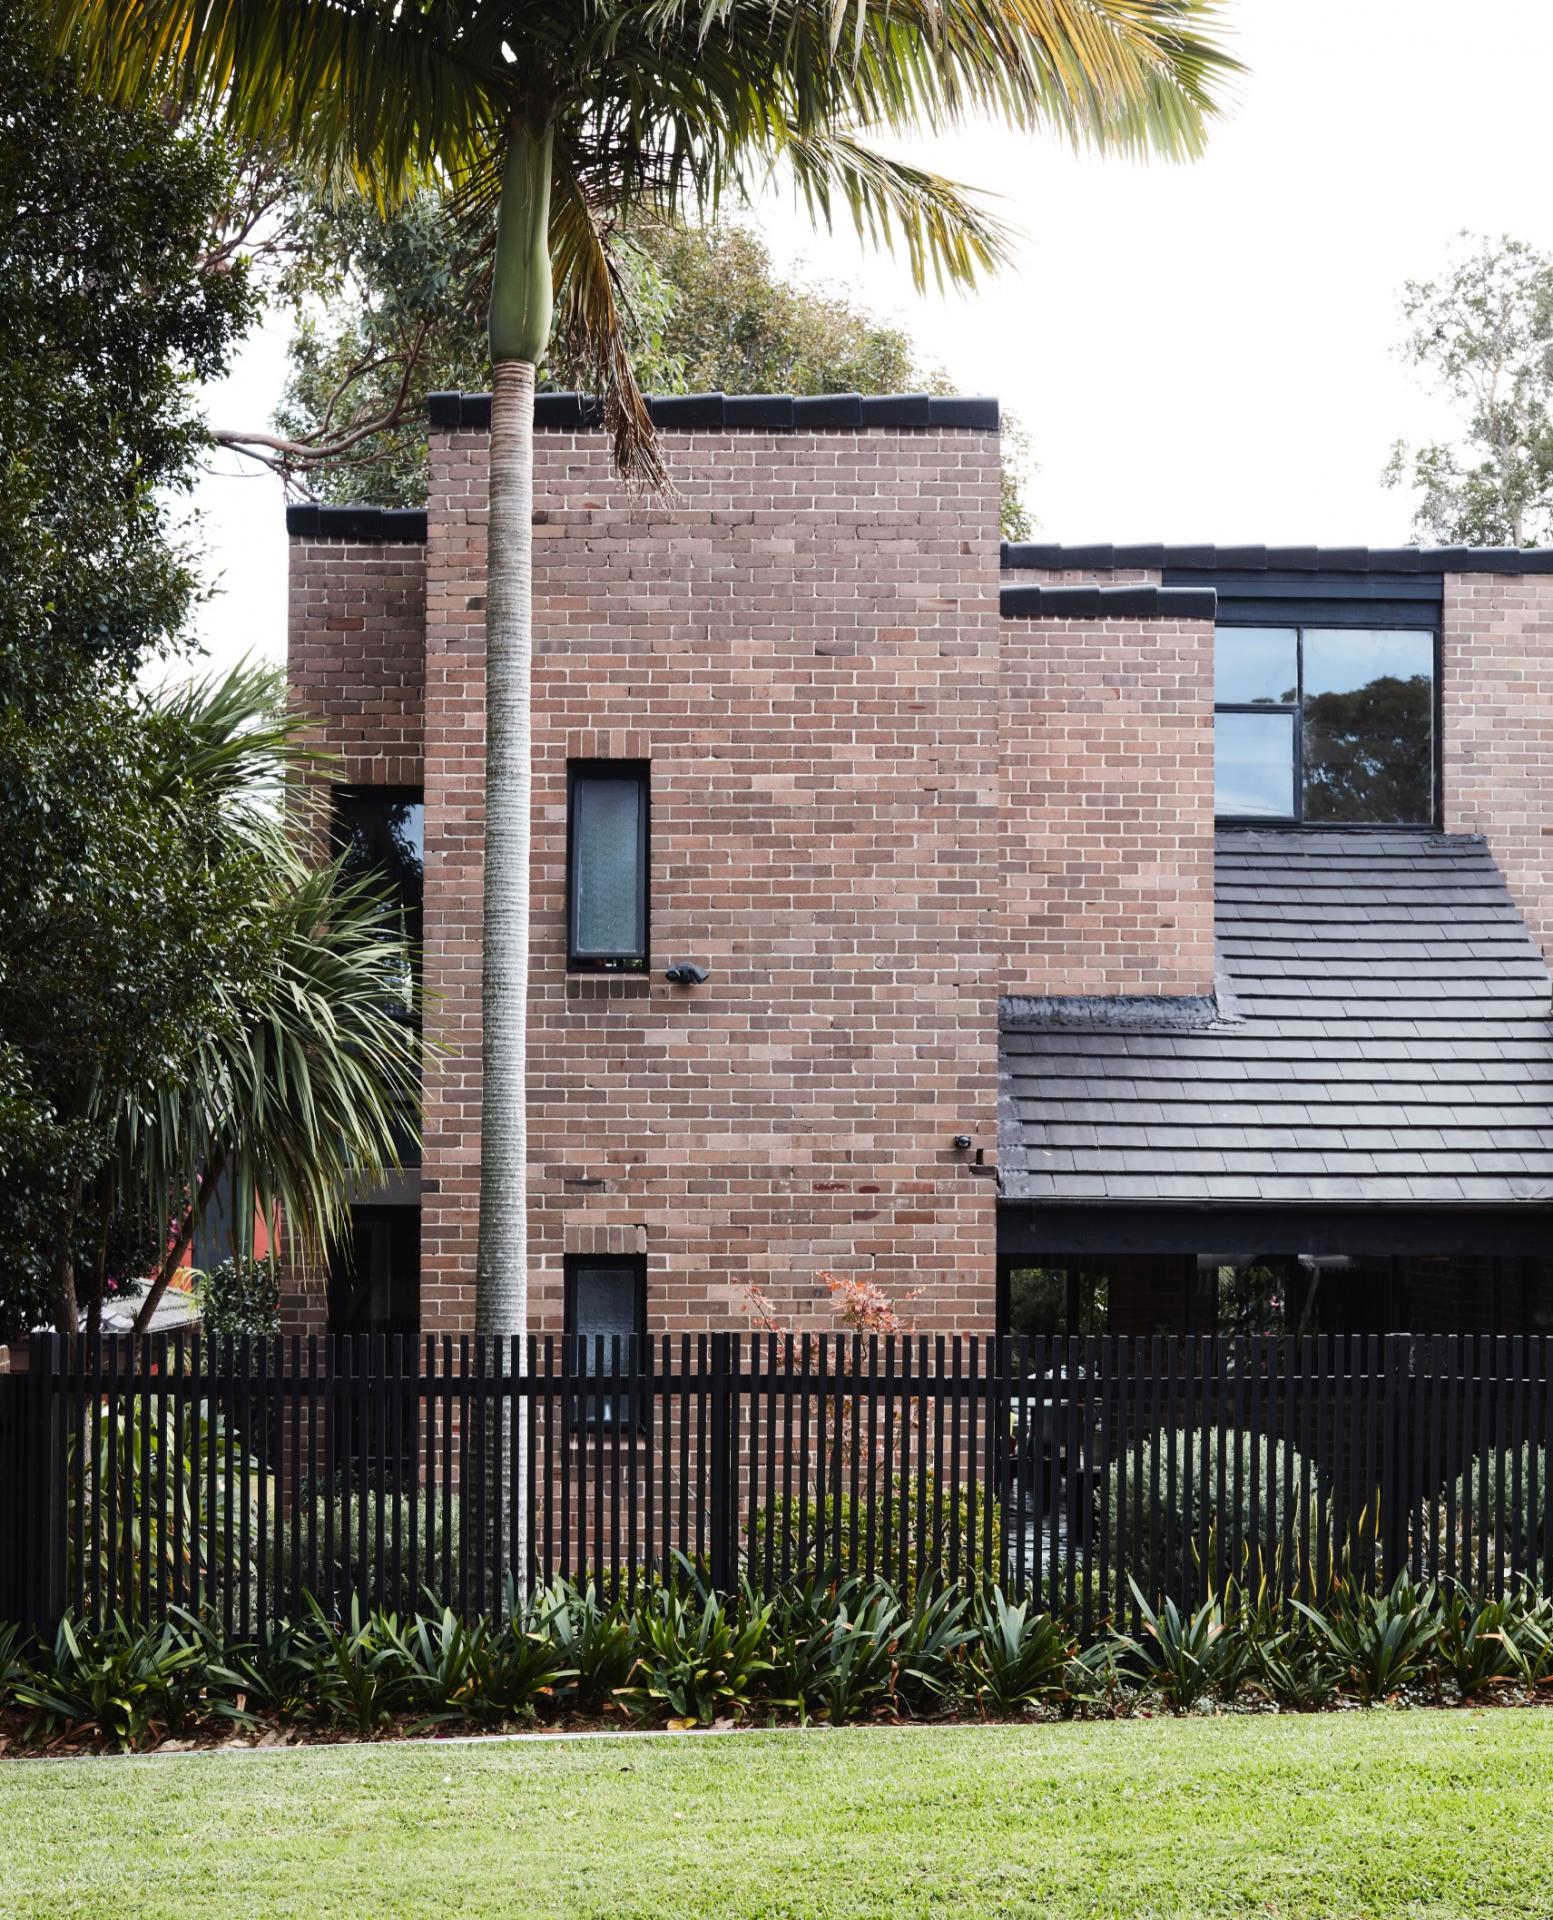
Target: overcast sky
[1199, 353]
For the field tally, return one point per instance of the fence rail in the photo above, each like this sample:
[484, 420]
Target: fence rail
[240, 1478]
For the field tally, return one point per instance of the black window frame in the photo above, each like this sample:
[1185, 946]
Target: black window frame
[1328, 620]
[589, 1408]
[638, 773]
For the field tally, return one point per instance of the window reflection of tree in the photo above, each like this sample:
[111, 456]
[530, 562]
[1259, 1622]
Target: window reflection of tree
[1369, 754]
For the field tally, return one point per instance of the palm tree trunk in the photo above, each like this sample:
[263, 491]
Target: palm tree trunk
[520, 329]
[501, 1289]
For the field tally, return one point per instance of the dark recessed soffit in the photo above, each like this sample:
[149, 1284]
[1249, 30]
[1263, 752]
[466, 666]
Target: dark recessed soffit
[1104, 558]
[719, 412]
[356, 523]
[1141, 602]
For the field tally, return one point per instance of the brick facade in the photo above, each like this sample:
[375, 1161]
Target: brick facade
[805, 648]
[876, 805]
[357, 653]
[1496, 698]
[1107, 805]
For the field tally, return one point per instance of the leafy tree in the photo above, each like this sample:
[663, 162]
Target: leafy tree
[179, 990]
[384, 319]
[561, 119]
[117, 298]
[1483, 334]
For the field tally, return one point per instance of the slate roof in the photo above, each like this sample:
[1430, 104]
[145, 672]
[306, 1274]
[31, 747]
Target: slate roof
[1383, 1033]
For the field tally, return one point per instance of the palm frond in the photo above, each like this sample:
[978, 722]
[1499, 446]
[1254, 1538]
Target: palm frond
[589, 316]
[391, 95]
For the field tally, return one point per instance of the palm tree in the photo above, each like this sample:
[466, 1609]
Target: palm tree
[306, 1075]
[562, 118]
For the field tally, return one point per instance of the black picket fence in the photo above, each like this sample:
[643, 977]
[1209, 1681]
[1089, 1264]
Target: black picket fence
[239, 1479]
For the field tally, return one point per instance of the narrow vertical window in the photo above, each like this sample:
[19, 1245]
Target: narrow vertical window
[607, 850]
[605, 1323]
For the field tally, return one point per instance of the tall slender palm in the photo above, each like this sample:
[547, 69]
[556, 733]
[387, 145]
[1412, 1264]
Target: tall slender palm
[567, 116]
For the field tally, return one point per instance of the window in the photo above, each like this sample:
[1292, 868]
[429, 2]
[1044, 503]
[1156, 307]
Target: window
[381, 832]
[1324, 725]
[605, 1303]
[607, 826]
[375, 1273]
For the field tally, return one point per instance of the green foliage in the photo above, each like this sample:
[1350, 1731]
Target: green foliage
[844, 1652]
[800, 1534]
[1180, 1652]
[1482, 334]
[126, 1684]
[1017, 1658]
[697, 1660]
[238, 1297]
[596, 1641]
[113, 309]
[1379, 1641]
[1476, 1643]
[1140, 1497]
[360, 1676]
[487, 1672]
[141, 1496]
[1519, 1543]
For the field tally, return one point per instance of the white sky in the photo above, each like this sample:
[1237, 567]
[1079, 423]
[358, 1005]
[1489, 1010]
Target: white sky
[1199, 353]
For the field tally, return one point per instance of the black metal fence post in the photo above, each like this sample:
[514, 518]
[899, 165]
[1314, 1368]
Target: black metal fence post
[722, 1469]
[1396, 1477]
[40, 1497]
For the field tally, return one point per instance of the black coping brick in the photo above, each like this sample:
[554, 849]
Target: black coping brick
[716, 412]
[1131, 602]
[1051, 556]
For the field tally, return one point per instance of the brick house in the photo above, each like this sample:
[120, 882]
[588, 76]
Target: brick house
[1019, 998]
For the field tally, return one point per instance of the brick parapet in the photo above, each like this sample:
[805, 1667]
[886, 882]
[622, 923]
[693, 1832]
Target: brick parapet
[1496, 706]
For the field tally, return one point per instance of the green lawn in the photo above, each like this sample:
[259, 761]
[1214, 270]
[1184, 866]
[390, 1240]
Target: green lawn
[1379, 1814]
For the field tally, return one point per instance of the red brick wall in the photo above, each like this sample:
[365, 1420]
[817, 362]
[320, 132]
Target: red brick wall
[1107, 806]
[1497, 728]
[356, 656]
[805, 647]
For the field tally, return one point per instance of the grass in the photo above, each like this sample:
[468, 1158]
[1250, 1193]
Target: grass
[1345, 1815]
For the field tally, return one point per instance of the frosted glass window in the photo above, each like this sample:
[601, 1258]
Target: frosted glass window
[608, 866]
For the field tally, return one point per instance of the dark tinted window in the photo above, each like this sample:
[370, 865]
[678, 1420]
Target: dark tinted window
[381, 831]
[375, 1273]
[606, 1302]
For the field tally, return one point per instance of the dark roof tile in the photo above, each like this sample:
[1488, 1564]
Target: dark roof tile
[1394, 1044]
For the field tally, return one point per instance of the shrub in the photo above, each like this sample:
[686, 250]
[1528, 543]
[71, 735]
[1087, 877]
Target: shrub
[124, 1686]
[800, 1535]
[696, 1659]
[1519, 1545]
[316, 1547]
[1180, 1525]
[1016, 1659]
[596, 1641]
[240, 1297]
[1378, 1641]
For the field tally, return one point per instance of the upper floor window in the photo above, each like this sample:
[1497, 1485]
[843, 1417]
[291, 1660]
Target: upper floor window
[381, 832]
[607, 853]
[1325, 725]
